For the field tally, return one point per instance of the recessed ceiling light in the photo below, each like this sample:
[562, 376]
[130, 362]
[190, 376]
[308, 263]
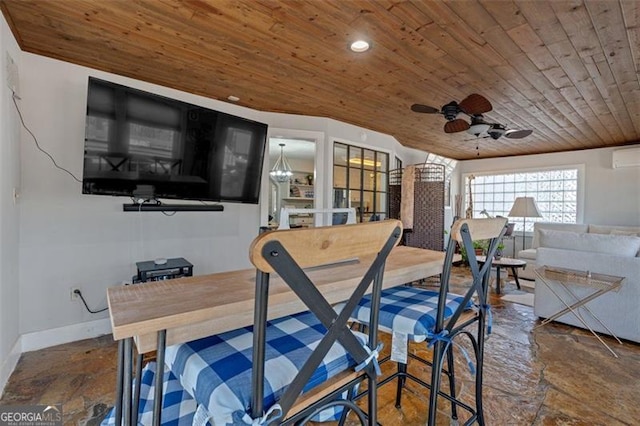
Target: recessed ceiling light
[360, 46]
[233, 98]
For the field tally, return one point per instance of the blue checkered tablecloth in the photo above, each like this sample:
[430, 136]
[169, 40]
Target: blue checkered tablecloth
[216, 370]
[178, 407]
[408, 310]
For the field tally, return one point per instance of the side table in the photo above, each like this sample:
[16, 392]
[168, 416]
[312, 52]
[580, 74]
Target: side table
[601, 283]
[504, 262]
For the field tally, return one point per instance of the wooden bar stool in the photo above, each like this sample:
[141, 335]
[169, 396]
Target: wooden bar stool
[291, 369]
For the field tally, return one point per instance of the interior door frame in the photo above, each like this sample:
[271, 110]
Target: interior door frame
[319, 167]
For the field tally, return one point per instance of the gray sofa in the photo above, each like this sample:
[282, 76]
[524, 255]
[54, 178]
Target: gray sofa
[616, 253]
[529, 255]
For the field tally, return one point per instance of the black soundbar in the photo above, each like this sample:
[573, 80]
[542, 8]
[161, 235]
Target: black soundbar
[172, 207]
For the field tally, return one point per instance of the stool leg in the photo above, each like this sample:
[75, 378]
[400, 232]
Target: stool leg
[136, 391]
[372, 398]
[120, 383]
[479, 350]
[159, 379]
[402, 371]
[452, 382]
[436, 375]
[515, 276]
[128, 380]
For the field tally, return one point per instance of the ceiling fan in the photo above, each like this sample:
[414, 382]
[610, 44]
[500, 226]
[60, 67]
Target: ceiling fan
[473, 106]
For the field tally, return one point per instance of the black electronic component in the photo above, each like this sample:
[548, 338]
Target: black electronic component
[149, 270]
[145, 207]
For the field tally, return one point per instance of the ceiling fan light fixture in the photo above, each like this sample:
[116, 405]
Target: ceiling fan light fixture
[360, 46]
[478, 128]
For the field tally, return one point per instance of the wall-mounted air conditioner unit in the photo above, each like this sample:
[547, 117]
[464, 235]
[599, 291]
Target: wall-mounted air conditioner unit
[628, 157]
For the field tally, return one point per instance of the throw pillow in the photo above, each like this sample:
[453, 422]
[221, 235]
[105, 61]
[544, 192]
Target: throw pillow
[629, 233]
[567, 227]
[619, 245]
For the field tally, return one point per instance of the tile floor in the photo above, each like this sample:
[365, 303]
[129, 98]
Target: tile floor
[554, 375]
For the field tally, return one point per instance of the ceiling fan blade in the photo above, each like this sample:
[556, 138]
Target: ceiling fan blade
[475, 104]
[424, 109]
[458, 125]
[517, 134]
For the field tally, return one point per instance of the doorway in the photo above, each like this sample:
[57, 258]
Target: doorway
[297, 190]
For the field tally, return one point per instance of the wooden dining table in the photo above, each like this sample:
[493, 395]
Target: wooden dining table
[155, 314]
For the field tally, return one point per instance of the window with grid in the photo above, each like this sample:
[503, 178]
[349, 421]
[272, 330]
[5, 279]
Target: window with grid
[398, 163]
[361, 180]
[555, 192]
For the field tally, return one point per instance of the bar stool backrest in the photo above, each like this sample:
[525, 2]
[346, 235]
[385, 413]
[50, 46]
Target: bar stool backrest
[480, 229]
[464, 232]
[311, 247]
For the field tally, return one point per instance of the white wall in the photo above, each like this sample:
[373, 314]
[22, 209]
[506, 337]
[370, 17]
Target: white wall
[411, 156]
[9, 217]
[72, 240]
[611, 196]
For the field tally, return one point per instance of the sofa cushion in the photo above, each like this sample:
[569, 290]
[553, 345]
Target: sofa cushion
[572, 227]
[608, 229]
[627, 233]
[619, 245]
[618, 232]
[528, 254]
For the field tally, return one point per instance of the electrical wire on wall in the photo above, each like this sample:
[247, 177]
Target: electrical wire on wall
[14, 97]
[79, 293]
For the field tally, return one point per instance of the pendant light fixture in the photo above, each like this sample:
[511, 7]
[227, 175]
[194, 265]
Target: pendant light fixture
[281, 171]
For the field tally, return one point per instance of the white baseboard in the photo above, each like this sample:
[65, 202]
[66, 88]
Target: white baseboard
[70, 333]
[10, 363]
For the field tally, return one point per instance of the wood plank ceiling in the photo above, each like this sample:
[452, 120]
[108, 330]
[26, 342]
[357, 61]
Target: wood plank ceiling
[568, 70]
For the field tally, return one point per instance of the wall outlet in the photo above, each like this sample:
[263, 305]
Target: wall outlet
[73, 294]
[13, 80]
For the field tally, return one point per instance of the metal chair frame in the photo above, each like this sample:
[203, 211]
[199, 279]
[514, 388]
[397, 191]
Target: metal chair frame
[283, 263]
[480, 287]
[454, 326]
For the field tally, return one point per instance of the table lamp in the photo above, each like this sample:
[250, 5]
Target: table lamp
[524, 207]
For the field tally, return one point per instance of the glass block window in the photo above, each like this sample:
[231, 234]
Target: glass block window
[448, 163]
[555, 192]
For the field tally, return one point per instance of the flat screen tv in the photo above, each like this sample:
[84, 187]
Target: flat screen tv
[137, 141]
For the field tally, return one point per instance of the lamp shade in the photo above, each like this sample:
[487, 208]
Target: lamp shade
[524, 207]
